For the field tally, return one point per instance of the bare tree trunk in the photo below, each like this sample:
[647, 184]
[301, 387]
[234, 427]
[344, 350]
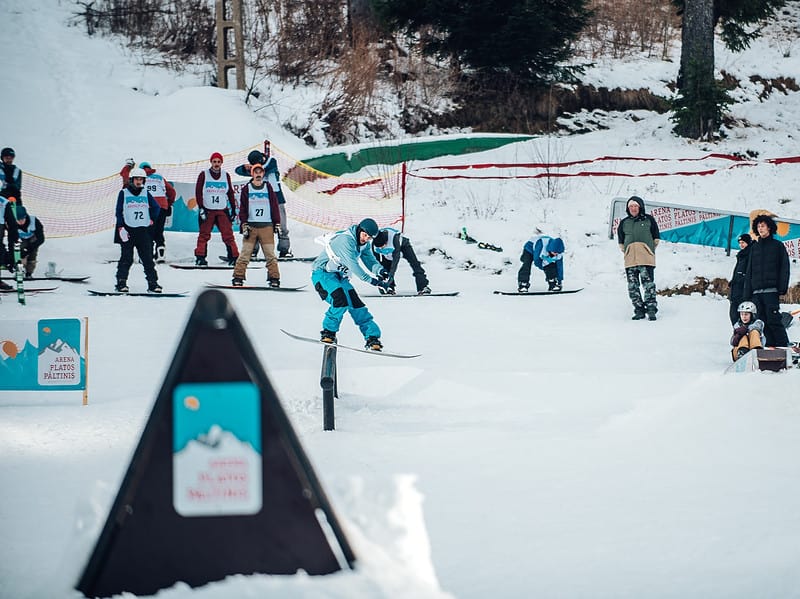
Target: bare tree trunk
[697, 41]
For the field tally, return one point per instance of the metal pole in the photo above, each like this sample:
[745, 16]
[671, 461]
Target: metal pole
[327, 381]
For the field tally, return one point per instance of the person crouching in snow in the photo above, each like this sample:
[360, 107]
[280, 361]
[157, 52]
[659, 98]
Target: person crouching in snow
[547, 254]
[748, 332]
[30, 233]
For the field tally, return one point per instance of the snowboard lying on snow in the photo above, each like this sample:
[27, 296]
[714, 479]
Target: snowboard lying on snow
[563, 291]
[283, 259]
[30, 290]
[413, 294]
[255, 287]
[349, 348]
[112, 292]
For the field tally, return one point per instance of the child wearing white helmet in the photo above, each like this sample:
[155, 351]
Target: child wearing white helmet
[748, 332]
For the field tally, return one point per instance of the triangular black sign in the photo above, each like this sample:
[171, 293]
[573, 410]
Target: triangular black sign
[219, 483]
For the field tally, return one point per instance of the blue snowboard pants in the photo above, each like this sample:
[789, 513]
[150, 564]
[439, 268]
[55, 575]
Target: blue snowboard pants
[335, 289]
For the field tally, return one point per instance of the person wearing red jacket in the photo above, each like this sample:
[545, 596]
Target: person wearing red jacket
[217, 206]
[164, 194]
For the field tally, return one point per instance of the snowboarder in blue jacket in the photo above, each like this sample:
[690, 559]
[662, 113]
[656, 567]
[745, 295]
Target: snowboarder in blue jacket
[547, 254]
[345, 252]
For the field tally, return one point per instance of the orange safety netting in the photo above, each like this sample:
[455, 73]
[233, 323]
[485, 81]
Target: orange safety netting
[312, 197]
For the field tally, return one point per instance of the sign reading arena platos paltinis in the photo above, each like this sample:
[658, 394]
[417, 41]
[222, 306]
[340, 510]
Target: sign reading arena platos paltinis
[46, 354]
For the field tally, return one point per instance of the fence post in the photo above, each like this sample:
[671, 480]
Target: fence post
[730, 234]
[327, 381]
[403, 175]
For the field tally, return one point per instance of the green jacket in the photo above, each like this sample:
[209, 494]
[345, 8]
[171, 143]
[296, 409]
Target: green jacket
[638, 238]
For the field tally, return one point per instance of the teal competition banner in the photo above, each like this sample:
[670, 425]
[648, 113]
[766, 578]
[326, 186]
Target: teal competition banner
[44, 355]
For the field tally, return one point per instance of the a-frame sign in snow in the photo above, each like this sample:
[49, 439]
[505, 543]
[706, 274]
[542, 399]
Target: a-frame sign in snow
[219, 483]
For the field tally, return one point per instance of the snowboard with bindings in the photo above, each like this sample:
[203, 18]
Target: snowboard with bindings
[280, 259]
[562, 292]
[255, 287]
[193, 266]
[349, 348]
[413, 294]
[112, 292]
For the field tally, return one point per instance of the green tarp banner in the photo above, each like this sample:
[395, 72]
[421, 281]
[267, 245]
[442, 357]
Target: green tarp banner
[341, 163]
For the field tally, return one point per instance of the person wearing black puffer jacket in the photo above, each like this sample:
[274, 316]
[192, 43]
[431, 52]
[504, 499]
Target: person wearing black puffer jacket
[767, 278]
[736, 284]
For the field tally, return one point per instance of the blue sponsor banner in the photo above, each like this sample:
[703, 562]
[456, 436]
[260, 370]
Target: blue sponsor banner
[43, 355]
[184, 210]
[687, 224]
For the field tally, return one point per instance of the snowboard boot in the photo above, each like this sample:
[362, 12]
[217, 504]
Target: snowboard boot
[122, 286]
[651, 316]
[200, 261]
[424, 291]
[374, 344]
[273, 282]
[232, 260]
[637, 315]
[160, 254]
[154, 288]
[286, 254]
[327, 336]
[237, 282]
[523, 287]
[553, 285]
[742, 351]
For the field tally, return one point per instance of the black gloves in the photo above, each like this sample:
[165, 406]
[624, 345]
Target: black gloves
[245, 230]
[277, 228]
[382, 284]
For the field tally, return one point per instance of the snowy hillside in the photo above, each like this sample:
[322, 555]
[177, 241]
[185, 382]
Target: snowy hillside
[539, 447]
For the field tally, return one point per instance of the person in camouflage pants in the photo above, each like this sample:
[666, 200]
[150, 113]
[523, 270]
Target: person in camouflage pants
[638, 237]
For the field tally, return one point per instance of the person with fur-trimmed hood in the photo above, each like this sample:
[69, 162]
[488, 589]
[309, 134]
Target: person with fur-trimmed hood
[345, 252]
[638, 237]
[736, 284]
[767, 278]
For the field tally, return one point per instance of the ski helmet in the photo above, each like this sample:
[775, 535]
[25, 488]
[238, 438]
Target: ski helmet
[748, 307]
[144, 165]
[381, 238]
[256, 157]
[369, 226]
[7, 152]
[138, 172]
